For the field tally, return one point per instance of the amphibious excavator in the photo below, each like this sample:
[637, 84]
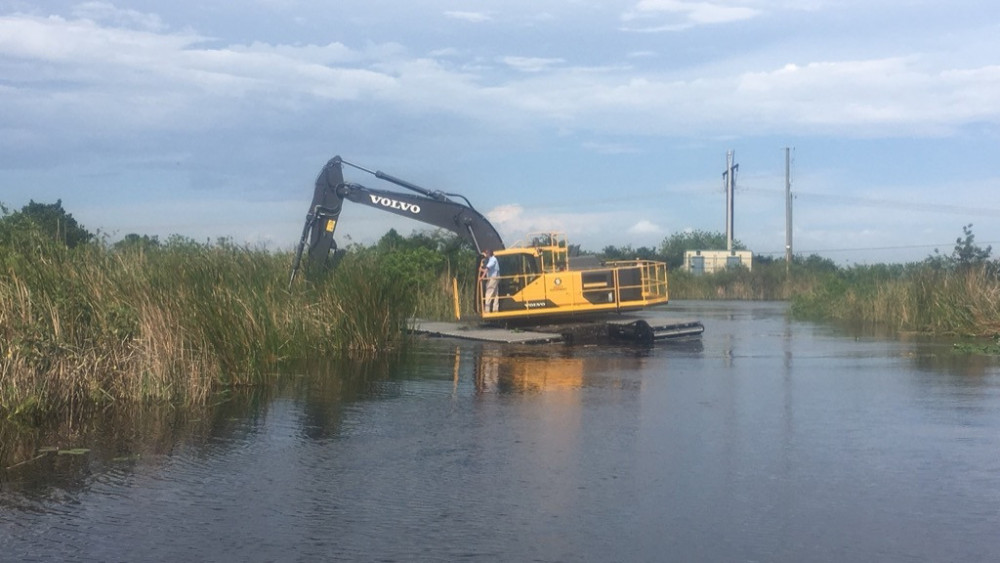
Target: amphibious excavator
[538, 282]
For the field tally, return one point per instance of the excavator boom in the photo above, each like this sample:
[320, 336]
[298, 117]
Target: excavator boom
[431, 207]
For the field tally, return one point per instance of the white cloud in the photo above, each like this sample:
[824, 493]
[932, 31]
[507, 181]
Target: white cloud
[889, 94]
[330, 54]
[165, 74]
[81, 41]
[592, 230]
[164, 79]
[683, 14]
[645, 227]
[531, 64]
[474, 17]
[106, 12]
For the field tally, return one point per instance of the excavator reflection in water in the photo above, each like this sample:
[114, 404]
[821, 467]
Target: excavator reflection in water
[527, 369]
[498, 371]
[538, 279]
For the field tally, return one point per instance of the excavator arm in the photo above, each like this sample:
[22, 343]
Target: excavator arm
[432, 207]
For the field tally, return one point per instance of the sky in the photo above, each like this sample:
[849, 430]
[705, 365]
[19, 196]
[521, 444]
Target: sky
[607, 120]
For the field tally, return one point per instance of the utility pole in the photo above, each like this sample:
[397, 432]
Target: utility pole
[729, 179]
[788, 211]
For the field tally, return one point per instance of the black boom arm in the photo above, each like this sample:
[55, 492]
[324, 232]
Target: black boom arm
[431, 207]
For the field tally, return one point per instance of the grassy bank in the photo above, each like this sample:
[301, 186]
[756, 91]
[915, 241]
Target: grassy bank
[931, 296]
[917, 297]
[767, 282]
[175, 322]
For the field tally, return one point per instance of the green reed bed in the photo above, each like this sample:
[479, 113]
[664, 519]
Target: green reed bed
[175, 322]
[738, 284]
[932, 296]
[917, 297]
[436, 300]
[766, 282]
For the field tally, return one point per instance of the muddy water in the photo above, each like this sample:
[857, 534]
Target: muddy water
[765, 440]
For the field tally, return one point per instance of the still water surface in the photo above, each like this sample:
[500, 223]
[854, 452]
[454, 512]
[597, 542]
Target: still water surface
[764, 440]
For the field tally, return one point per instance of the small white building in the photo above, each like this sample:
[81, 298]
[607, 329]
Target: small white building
[709, 261]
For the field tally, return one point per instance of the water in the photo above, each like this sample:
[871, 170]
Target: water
[765, 440]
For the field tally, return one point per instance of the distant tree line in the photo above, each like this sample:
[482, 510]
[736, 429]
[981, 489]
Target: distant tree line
[442, 251]
[50, 220]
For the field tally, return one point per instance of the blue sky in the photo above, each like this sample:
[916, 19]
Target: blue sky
[607, 120]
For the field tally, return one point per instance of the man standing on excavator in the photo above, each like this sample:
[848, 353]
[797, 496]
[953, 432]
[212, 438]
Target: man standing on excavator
[490, 271]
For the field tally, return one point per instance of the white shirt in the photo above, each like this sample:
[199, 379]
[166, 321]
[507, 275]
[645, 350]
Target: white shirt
[492, 267]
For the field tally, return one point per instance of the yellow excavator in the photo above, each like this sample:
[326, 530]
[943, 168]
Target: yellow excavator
[538, 280]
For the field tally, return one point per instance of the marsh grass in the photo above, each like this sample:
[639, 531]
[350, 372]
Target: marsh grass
[766, 282]
[175, 322]
[738, 284]
[919, 297]
[436, 301]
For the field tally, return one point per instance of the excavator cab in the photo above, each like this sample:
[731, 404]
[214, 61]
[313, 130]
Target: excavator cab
[538, 278]
[523, 268]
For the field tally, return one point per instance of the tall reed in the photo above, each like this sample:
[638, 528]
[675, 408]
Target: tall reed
[766, 282]
[916, 297]
[175, 322]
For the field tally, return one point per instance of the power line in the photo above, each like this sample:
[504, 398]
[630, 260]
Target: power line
[870, 248]
[895, 203]
[576, 203]
[846, 199]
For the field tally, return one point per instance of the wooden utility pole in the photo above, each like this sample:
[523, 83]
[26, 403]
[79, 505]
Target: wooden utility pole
[729, 179]
[788, 211]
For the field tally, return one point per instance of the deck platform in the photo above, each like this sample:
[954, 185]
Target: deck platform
[632, 328]
[483, 333]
